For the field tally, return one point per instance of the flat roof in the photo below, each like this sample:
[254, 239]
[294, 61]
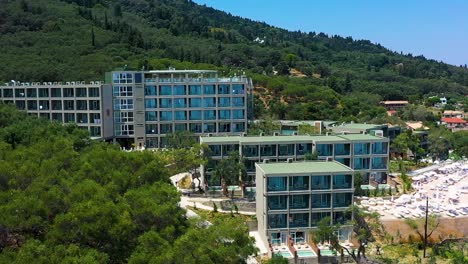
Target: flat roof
[358, 126]
[181, 71]
[303, 167]
[287, 139]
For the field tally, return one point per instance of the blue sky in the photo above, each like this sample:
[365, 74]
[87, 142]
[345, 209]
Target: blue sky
[435, 29]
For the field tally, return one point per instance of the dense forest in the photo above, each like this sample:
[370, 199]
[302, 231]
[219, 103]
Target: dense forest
[66, 199]
[315, 75]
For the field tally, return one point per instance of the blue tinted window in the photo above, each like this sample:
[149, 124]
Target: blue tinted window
[195, 102]
[180, 115]
[237, 89]
[208, 89]
[209, 102]
[137, 77]
[195, 90]
[165, 103]
[223, 89]
[150, 90]
[210, 115]
[238, 101]
[165, 116]
[195, 115]
[150, 103]
[238, 114]
[165, 90]
[179, 90]
[151, 116]
[224, 114]
[224, 102]
[180, 103]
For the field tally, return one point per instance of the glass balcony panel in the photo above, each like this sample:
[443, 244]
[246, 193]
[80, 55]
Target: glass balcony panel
[379, 163]
[224, 102]
[195, 115]
[322, 200]
[215, 150]
[321, 182]
[250, 151]
[342, 181]
[277, 221]
[361, 163]
[238, 114]
[267, 150]
[276, 184]
[150, 103]
[237, 101]
[209, 114]
[180, 103]
[151, 116]
[150, 90]
[238, 89]
[324, 149]
[195, 90]
[180, 115]
[195, 102]
[224, 89]
[299, 201]
[299, 220]
[380, 148]
[224, 114]
[209, 89]
[209, 128]
[286, 149]
[317, 217]
[180, 90]
[165, 116]
[298, 183]
[342, 199]
[165, 90]
[304, 148]
[238, 127]
[342, 149]
[361, 148]
[278, 202]
[209, 102]
[165, 103]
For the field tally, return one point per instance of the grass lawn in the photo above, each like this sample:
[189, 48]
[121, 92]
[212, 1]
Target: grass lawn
[406, 254]
[210, 216]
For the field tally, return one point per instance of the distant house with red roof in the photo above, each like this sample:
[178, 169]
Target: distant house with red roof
[454, 123]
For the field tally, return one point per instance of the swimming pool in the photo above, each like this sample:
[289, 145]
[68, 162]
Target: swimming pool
[306, 253]
[327, 252]
[284, 254]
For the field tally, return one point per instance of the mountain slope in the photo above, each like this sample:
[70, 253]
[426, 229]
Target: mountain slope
[82, 39]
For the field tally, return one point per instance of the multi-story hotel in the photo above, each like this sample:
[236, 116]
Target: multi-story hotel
[151, 104]
[78, 102]
[367, 154]
[140, 108]
[292, 197]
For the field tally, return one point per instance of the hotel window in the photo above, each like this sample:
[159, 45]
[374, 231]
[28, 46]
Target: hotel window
[238, 101]
[299, 220]
[277, 184]
[95, 118]
[124, 130]
[43, 92]
[94, 105]
[342, 181]
[321, 182]
[179, 90]
[237, 89]
[342, 199]
[80, 92]
[268, 150]
[82, 118]
[56, 105]
[165, 103]
[209, 114]
[341, 217]
[277, 221]
[150, 103]
[44, 105]
[95, 131]
[122, 77]
[224, 127]
[195, 90]
[224, 114]
[165, 90]
[321, 200]
[151, 129]
[165, 116]
[361, 163]
[317, 217]
[69, 105]
[209, 128]
[151, 116]
[123, 91]
[325, 149]
[30, 92]
[195, 102]
[32, 105]
[151, 142]
[237, 114]
[19, 93]
[196, 115]
[298, 183]
[286, 149]
[379, 148]
[224, 89]
[57, 117]
[150, 90]
[342, 149]
[56, 92]
[123, 117]
[195, 127]
[68, 92]
[180, 115]
[166, 128]
[69, 117]
[224, 102]
[8, 93]
[379, 163]
[180, 103]
[208, 89]
[21, 105]
[180, 127]
[123, 104]
[81, 105]
[93, 92]
[238, 127]
[209, 102]
[277, 202]
[361, 148]
[300, 201]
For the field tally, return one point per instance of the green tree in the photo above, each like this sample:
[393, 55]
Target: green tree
[306, 129]
[230, 171]
[440, 141]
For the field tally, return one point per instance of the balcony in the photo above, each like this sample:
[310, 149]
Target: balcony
[321, 200]
[342, 199]
[277, 221]
[277, 202]
[342, 149]
[324, 149]
[342, 181]
[299, 220]
[299, 183]
[380, 148]
[276, 184]
[299, 201]
[361, 149]
[321, 182]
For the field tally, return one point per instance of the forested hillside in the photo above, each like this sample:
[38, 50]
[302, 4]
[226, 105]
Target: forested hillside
[319, 76]
[66, 199]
